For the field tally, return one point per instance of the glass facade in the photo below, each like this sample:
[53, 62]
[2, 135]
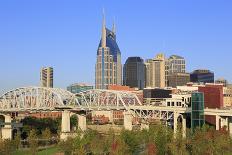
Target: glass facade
[197, 113]
[77, 88]
[134, 72]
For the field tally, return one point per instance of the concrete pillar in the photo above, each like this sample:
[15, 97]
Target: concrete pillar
[7, 129]
[144, 126]
[184, 126]
[127, 120]
[230, 126]
[81, 122]
[65, 123]
[217, 122]
[175, 123]
[224, 122]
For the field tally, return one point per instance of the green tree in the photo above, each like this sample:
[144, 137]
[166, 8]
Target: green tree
[6, 147]
[67, 146]
[17, 141]
[33, 142]
[46, 135]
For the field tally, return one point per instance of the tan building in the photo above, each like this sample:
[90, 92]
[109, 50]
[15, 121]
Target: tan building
[108, 69]
[46, 77]
[227, 97]
[178, 79]
[155, 71]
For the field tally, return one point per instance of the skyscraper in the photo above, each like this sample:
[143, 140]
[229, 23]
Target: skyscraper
[133, 72]
[46, 77]
[202, 76]
[108, 68]
[174, 64]
[155, 71]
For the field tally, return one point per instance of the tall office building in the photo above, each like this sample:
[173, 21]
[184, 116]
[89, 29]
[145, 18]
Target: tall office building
[174, 64]
[46, 77]
[202, 76]
[108, 68]
[133, 72]
[155, 71]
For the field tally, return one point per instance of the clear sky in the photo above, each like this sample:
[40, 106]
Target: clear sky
[65, 35]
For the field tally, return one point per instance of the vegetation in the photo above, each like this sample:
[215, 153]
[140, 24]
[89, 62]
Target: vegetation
[158, 140]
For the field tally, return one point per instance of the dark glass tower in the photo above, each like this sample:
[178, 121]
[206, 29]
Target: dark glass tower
[108, 69]
[134, 72]
[202, 76]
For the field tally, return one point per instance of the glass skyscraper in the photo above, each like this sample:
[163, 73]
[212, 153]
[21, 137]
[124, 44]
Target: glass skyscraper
[108, 69]
[134, 72]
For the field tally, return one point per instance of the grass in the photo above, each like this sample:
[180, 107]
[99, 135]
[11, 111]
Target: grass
[48, 151]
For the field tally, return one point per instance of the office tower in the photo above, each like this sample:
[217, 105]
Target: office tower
[155, 71]
[108, 68]
[46, 77]
[133, 72]
[222, 81]
[174, 64]
[79, 87]
[178, 79]
[202, 76]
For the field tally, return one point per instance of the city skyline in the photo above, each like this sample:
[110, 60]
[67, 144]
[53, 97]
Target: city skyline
[31, 30]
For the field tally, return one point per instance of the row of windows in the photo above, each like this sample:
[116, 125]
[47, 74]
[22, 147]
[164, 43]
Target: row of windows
[172, 104]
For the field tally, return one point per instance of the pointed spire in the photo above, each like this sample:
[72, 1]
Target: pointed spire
[114, 27]
[103, 39]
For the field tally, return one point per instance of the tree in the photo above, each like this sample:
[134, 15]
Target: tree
[46, 135]
[67, 146]
[33, 142]
[17, 141]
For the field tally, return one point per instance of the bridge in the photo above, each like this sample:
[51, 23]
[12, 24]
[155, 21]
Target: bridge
[35, 99]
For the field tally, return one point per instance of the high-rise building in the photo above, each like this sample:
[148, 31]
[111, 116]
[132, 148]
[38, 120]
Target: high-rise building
[178, 79]
[202, 76]
[174, 64]
[222, 81]
[79, 87]
[108, 69]
[155, 71]
[133, 72]
[46, 77]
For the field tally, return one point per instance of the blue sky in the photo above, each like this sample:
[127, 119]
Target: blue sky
[65, 35]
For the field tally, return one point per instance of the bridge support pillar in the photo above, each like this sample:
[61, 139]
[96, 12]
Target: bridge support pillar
[7, 129]
[184, 126]
[65, 125]
[127, 120]
[81, 122]
[217, 122]
[175, 122]
[230, 125]
[224, 122]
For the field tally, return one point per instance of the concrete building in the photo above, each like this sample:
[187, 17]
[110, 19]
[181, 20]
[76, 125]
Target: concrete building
[134, 72]
[108, 69]
[155, 71]
[174, 64]
[79, 87]
[222, 81]
[227, 97]
[202, 76]
[178, 79]
[46, 77]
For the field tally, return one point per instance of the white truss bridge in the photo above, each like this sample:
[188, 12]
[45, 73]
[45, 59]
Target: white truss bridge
[34, 99]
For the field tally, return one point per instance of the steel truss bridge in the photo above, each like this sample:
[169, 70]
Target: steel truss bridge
[33, 99]
[52, 99]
